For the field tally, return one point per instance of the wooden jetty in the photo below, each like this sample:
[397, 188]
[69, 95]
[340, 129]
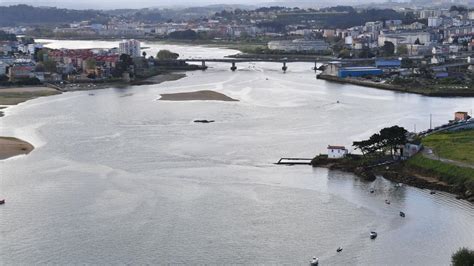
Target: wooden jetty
[294, 161]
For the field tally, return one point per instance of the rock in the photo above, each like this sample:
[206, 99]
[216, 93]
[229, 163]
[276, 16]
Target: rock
[365, 174]
[468, 193]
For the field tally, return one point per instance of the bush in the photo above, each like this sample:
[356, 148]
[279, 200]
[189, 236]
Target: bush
[463, 257]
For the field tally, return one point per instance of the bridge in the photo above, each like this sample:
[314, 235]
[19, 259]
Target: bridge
[284, 61]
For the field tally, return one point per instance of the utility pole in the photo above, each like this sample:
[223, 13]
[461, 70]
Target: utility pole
[415, 128]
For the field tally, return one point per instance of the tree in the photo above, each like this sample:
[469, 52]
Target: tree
[41, 55]
[124, 63]
[366, 53]
[345, 53]
[402, 50]
[183, 35]
[50, 66]
[91, 63]
[7, 36]
[144, 54]
[463, 257]
[388, 48]
[387, 139]
[417, 42]
[166, 55]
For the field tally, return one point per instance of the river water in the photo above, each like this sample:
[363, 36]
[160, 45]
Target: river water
[119, 177]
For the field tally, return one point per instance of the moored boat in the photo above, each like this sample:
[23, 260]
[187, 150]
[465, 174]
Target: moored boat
[373, 235]
[314, 262]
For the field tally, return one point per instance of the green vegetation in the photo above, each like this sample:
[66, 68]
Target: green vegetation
[24, 14]
[7, 36]
[166, 55]
[388, 139]
[12, 98]
[463, 257]
[91, 63]
[457, 146]
[451, 174]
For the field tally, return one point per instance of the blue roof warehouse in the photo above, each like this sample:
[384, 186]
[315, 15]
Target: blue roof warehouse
[359, 72]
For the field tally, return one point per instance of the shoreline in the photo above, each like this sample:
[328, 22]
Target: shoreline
[390, 87]
[398, 172]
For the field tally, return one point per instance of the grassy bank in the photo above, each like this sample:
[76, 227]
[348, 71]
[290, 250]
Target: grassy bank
[451, 174]
[458, 146]
[12, 96]
[436, 91]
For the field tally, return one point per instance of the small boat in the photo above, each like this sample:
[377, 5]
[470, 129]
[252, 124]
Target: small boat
[432, 192]
[387, 201]
[339, 249]
[399, 185]
[2, 201]
[373, 235]
[314, 262]
[372, 190]
[402, 214]
[204, 121]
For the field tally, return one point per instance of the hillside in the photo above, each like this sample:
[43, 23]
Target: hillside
[28, 15]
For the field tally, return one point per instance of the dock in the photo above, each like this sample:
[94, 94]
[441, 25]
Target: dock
[294, 161]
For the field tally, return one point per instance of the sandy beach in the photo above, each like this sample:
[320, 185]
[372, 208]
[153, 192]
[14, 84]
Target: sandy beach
[10, 147]
[204, 95]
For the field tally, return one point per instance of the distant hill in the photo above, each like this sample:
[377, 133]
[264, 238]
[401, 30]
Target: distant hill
[25, 15]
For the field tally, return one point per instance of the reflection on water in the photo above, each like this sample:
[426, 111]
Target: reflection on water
[122, 178]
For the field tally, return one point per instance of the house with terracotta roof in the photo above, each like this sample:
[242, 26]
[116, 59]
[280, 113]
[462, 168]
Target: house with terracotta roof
[337, 152]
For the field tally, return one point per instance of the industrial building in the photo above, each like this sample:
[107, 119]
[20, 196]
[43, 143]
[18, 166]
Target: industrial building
[359, 72]
[383, 63]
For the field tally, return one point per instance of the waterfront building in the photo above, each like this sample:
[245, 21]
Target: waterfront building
[345, 72]
[299, 45]
[458, 116]
[130, 47]
[383, 63]
[337, 152]
[405, 38]
[21, 71]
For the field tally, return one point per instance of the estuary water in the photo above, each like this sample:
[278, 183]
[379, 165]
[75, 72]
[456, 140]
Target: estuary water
[119, 177]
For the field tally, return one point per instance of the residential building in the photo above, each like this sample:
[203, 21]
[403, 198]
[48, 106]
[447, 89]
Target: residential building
[337, 152]
[458, 116]
[130, 47]
[435, 22]
[382, 63]
[299, 45]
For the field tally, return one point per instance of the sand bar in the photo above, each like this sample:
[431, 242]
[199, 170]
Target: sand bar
[10, 147]
[204, 95]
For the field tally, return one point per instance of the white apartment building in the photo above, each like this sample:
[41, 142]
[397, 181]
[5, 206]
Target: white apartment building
[130, 47]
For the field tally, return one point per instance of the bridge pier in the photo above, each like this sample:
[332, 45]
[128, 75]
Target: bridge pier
[233, 67]
[284, 68]
[203, 64]
[315, 66]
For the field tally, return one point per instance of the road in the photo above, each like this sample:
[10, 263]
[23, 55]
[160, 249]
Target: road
[429, 153]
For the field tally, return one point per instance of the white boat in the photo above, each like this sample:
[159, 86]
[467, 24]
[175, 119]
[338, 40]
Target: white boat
[314, 262]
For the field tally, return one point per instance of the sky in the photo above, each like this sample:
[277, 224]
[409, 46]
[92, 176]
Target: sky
[114, 4]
